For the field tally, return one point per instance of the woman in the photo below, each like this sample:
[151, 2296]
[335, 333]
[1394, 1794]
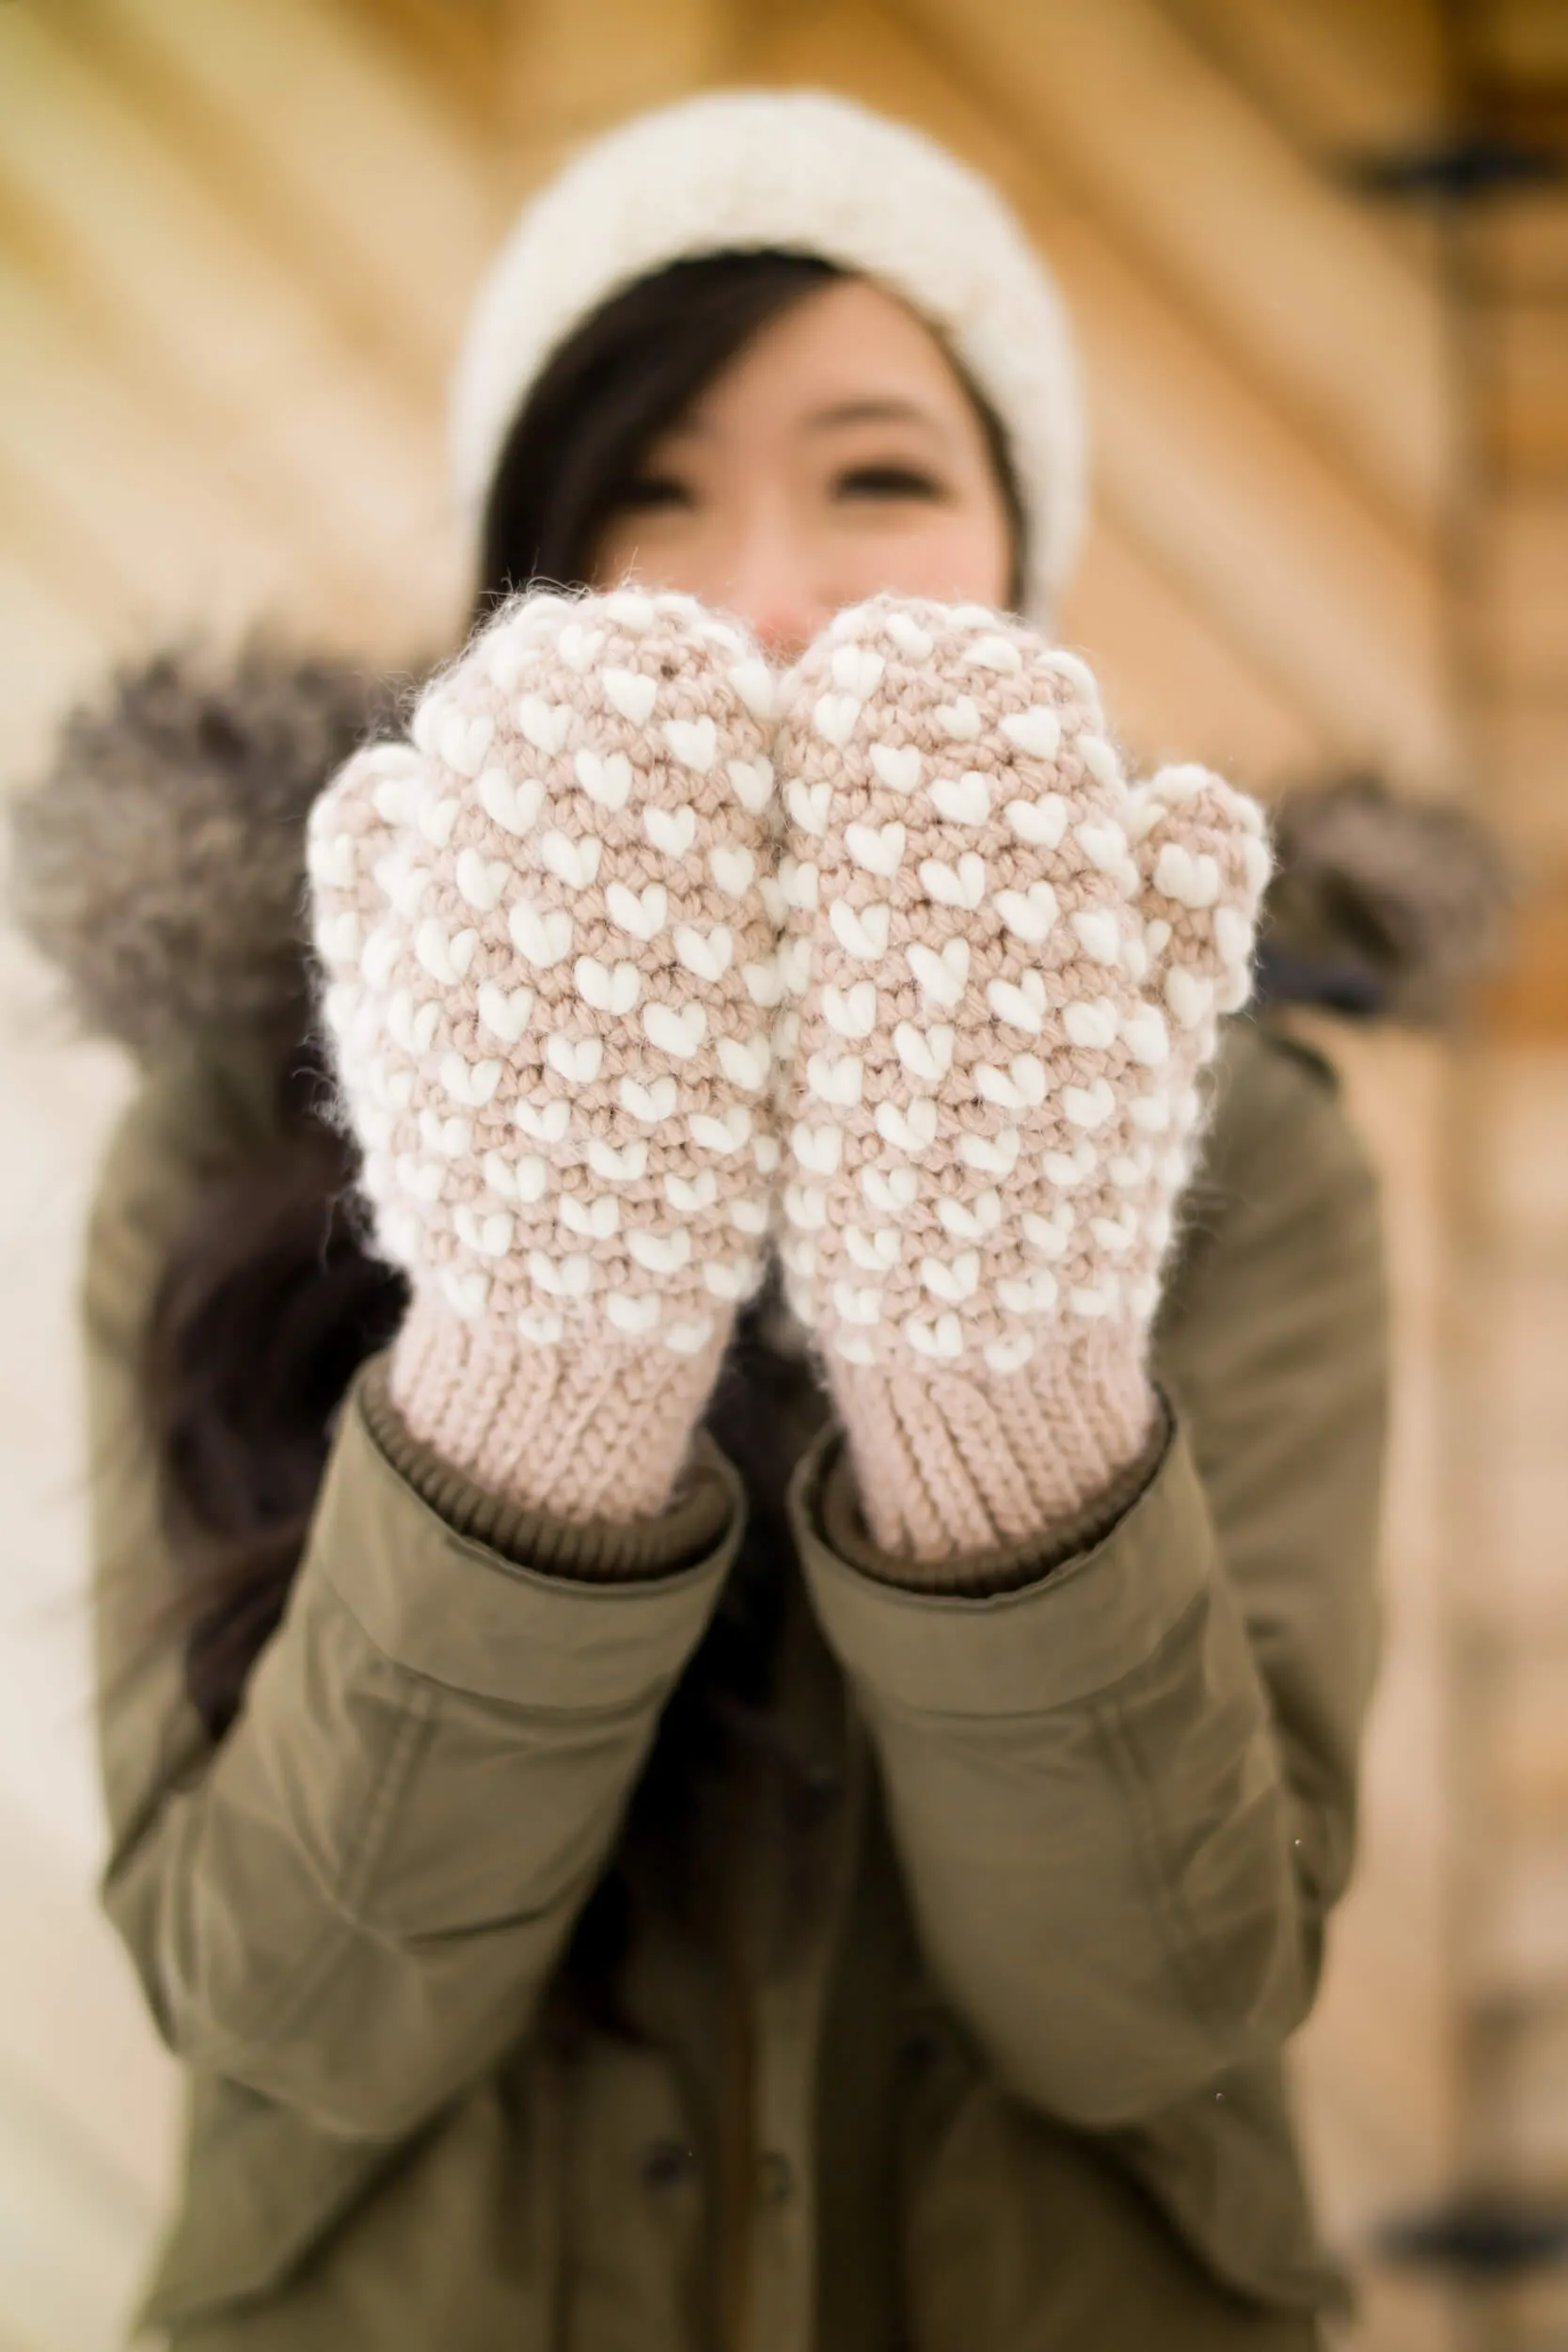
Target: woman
[843, 1875]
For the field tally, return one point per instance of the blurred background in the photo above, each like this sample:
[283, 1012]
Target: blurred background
[1318, 254]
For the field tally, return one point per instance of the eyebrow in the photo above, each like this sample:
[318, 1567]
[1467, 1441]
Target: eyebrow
[888, 409]
[883, 411]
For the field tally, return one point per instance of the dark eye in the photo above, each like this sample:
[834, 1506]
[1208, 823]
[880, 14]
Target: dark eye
[887, 482]
[650, 492]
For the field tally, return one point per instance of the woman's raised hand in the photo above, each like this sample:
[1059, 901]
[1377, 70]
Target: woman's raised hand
[588, 972]
[553, 977]
[1007, 964]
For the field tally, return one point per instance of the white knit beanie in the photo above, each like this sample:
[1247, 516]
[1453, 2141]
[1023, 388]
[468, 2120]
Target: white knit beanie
[803, 172]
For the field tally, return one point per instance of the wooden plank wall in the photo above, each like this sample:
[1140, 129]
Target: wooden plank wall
[236, 246]
[239, 243]
[1507, 262]
[1512, 264]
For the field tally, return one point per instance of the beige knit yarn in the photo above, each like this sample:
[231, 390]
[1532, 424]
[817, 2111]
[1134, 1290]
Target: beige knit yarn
[1007, 964]
[552, 982]
[552, 928]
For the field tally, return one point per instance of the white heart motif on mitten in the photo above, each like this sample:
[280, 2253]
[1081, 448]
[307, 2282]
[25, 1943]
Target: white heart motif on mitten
[1007, 964]
[551, 980]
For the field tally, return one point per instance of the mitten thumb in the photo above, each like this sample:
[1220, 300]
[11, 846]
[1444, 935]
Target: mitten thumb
[1202, 854]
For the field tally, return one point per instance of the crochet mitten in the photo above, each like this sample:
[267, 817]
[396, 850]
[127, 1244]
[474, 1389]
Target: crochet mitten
[552, 986]
[1007, 964]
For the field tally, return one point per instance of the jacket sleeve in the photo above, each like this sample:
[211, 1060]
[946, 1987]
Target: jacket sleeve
[351, 1904]
[1123, 1787]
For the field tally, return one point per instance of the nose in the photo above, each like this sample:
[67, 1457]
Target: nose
[772, 587]
[783, 634]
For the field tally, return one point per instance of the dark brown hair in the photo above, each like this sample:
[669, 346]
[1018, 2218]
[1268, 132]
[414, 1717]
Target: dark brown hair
[623, 379]
[265, 1311]
[606, 395]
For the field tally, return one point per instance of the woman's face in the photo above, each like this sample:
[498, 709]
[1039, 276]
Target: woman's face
[837, 456]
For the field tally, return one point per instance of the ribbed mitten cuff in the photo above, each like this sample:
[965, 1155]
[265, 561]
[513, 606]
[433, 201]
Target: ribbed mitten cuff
[947, 1463]
[584, 1431]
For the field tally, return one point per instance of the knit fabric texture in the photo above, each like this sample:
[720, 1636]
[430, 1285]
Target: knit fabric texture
[551, 979]
[591, 992]
[1005, 964]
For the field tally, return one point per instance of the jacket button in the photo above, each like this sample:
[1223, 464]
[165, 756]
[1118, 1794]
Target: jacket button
[666, 2163]
[919, 2050]
[775, 2177]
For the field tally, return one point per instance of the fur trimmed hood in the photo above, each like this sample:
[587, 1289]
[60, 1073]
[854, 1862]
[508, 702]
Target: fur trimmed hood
[1380, 904]
[159, 863]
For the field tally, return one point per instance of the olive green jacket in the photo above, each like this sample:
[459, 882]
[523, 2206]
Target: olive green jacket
[962, 2029]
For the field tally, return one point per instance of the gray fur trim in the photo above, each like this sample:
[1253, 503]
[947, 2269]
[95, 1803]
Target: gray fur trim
[159, 863]
[1409, 895]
